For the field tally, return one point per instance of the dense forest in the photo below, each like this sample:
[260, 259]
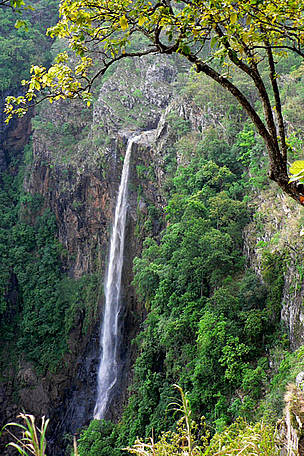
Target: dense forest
[211, 328]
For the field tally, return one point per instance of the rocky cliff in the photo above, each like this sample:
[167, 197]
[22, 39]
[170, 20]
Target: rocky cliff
[277, 230]
[75, 169]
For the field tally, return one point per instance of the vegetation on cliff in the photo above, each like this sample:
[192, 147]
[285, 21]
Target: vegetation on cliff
[21, 47]
[214, 324]
[189, 439]
[38, 302]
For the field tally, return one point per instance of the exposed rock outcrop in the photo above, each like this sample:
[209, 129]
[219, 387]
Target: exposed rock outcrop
[277, 229]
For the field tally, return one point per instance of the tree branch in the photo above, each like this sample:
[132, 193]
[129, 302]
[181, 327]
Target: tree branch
[278, 166]
[253, 73]
[277, 98]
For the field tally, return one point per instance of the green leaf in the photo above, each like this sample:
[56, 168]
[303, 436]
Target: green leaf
[21, 24]
[123, 23]
[248, 20]
[141, 20]
[233, 18]
[296, 177]
[296, 167]
[214, 41]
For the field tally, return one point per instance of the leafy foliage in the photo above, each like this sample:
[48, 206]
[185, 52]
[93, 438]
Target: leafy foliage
[231, 29]
[38, 304]
[99, 439]
[33, 438]
[209, 323]
[22, 45]
[296, 171]
[286, 368]
[217, 37]
[246, 439]
[191, 439]
[12, 3]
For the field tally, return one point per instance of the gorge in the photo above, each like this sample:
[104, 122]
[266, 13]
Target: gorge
[207, 289]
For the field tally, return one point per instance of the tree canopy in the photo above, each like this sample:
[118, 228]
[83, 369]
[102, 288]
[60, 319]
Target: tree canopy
[16, 5]
[216, 36]
[13, 3]
[23, 41]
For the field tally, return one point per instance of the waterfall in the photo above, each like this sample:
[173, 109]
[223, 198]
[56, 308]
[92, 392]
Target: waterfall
[109, 337]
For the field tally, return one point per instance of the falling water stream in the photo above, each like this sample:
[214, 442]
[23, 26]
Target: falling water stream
[109, 337]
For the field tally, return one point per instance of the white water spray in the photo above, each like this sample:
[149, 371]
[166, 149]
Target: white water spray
[109, 338]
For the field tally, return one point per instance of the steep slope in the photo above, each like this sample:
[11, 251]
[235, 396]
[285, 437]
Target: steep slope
[187, 178]
[73, 176]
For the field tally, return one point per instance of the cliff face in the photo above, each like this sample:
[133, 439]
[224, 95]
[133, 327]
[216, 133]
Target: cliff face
[13, 137]
[276, 229]
[76, 168]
